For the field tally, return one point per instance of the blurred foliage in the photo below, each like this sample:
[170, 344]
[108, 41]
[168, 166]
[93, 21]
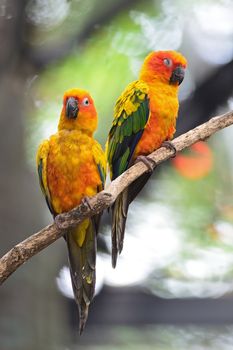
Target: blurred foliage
[201, 211]
[179, 237]
[164, 337]
[104, 64]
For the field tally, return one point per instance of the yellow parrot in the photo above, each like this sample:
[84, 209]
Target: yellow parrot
[71, 167]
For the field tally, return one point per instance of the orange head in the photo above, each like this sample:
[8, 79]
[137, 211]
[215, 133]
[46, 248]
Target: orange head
[78, 112]
[164, 66]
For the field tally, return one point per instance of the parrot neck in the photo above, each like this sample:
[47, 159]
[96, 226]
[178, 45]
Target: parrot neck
[85, 125]
[158, 82]
[160, 86]
[67, 128]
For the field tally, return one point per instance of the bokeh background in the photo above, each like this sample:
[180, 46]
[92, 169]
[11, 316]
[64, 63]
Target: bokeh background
[173, 286]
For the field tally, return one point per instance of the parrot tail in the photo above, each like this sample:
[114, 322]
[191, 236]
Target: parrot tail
[119, 214]
[81, 242]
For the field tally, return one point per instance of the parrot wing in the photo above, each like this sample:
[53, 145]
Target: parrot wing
[82, 248]
[100, 161]
[131, 116]
[41, 160]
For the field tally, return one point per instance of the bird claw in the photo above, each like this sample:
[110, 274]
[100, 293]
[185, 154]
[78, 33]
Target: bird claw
[168, 145]
[59, 222]
[86, 201]
[149, 162]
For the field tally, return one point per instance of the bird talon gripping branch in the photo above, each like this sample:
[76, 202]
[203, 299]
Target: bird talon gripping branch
[59, 222]
[169, 146]
[86, 202]
[149, 162]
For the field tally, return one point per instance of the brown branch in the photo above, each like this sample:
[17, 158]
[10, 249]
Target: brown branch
[40, 240]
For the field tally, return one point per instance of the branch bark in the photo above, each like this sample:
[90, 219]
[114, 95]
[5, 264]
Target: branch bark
[40, 240]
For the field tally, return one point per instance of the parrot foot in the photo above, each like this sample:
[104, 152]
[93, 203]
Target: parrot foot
[86, 201]
[59, 222]
[170, 146]
[150, 163]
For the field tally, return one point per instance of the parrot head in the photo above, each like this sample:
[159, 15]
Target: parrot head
[165, 66]
[78, 112]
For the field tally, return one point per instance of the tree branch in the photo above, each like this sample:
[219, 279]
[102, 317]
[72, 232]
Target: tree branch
[40, 240]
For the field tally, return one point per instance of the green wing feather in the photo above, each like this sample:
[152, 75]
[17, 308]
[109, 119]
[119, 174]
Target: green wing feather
[41, 160]
[100, 161]
[82, 257]
[131, 116]
[102, 173]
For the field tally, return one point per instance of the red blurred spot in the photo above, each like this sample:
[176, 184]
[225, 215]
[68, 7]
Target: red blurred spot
[197, 164]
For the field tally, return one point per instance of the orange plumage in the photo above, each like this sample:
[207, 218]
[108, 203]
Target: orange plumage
[71, 166]
[163, 98]
[71, 172]
[144, 117]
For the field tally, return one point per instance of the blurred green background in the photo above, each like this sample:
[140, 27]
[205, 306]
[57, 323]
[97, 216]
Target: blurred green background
[172, 288]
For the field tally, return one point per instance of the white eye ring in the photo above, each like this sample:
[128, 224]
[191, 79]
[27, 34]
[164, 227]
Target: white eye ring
[86, 102]
[167, 62]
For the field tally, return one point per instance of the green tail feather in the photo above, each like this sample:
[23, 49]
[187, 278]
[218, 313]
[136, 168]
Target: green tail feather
[119, 214]
[137, 186]
[82, 261]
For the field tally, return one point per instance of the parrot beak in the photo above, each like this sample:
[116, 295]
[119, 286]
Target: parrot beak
[177, 75]
[72, 108]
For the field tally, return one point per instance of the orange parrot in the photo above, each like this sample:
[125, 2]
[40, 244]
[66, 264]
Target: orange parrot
[71, 167]
[144, 120]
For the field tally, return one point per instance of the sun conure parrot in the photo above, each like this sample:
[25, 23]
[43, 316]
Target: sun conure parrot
[71, 167]
[144, 119]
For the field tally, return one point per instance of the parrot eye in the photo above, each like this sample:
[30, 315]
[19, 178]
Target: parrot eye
[167, 62]
[86, 101]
